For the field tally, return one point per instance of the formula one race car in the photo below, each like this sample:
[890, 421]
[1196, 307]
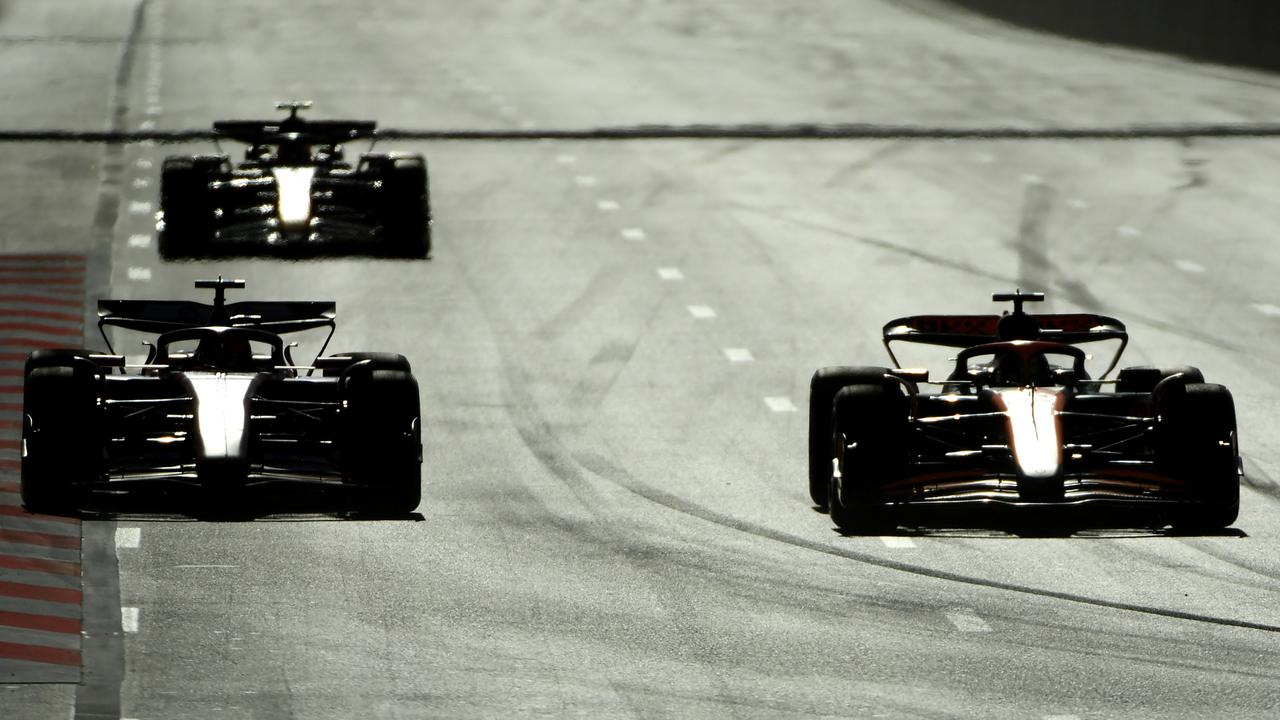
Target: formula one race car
[294, 195]
[1019, 422]
[218, 406]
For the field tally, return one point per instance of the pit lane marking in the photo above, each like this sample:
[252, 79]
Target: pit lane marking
[702, 312]
[128, 538]
[670, 273]
[139, 240]
[129, 619]
[141, 274]
[1188, 266]
[739, 355]
[967, 620]
[607, 205]
[897, 542]
[633, 234]
[1267, 309]
[780, 404]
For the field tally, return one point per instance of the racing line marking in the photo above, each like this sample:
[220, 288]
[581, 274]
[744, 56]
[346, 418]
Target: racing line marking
[702, 312]
[1267, 309]
[1188, 266]
[607, 205]
[128, 538]
[129, 619]
[738, 355]
[894, 541]
[966, 620]
[139, 240]
[633, 234]
[780, 404]
[669, 273]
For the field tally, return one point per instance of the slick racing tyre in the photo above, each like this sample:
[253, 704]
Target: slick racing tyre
[1144, 378]
[381, 439]
[373, 360]
[1198, 443]
[187, 206]
[870, 424]
[404, 206]
[62, 433]
[823, 387]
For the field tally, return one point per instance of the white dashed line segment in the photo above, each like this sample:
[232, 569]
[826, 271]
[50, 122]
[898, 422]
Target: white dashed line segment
[702, 312]
[129, 619]
[138, 207]
[566, 159]
[780, 404]
[633, 234]
[607, 205]
[1077, 204]
[128, 537]
[966, 620]
[1188, 266]
[139, 240]
[586, 180]
[140, 273]
[1128, 231]
[1267, 309]
[142, 163]
[670, 273]
[738, 355]
[897, 542]
[141, 183]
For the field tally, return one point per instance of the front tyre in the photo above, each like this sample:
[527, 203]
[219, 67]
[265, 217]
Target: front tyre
[382, 439]
[824, 385]
[1198, 444]
[869, 444]
[62, 436]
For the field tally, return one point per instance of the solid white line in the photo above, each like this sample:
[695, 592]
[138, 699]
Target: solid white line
[139, 240]
[738, 355]
[702, 312]
[670, 274]
[129, 619]
[566, 159]
[966, 620]
[1128, 231]
[138, 207]
[128, 537]
[780, 404]
[894, 541]
[607, 205]
[585, 180]
[1267, 309]
[140, 273]
[633, 234]
[1188, 266]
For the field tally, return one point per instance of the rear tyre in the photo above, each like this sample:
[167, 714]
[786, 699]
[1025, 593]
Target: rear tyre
[1144, 378]
[382, 439]
[870, 427]
[187, 206]
[405, 206]
[1198, 443]
[823, 387]
[62, 435]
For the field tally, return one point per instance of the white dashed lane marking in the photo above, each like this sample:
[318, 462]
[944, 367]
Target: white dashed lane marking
[985, 158]
[1077, 204]
[1128, 231]
[138, 207]
[566, 159]
[1032, 179]
[139, 240]
[141, 183]
[140, 273]
[528, 124]
[585, 180]
[1267, 309]
[1188, 266]
[670, 273]
[966, 620]
[633, 234]
[154, 109]
[128, 537]
[780, 404]
[129, 619]
[895, 541]
[607, 205]
[147, 125]
[738, 355]
[142, 163]
[702, 312]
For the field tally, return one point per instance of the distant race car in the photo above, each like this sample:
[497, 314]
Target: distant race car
[219, 405]
[1020, 422]
[294, 195]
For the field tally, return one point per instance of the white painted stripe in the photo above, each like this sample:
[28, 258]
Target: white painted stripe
[566, 159]
[702, 312]
[147, 143]
[143, 163]
[1061, 717]
[138, 207]
[1077, 204]
[128, 537]
[129, 619]
[528, 124]
[139, 240]
[780, 404]
[586, 180]
[1267, 309]
[141, 183]
[633, 234]
[966, 620]
[1128, 231]
[1032, 179]
[985, 158]
[1188, 266]
[670, 273]
[895, 541]
[607, 205]
[147, 125]
[154, 109]
[738, 355]
[205, 567]
[140, 273]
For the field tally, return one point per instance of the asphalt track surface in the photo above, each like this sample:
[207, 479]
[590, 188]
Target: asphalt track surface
[613, 340]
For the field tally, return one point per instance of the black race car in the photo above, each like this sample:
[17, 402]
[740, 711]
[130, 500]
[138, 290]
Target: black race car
[1019, 422]
[218, 407]
[294, 195]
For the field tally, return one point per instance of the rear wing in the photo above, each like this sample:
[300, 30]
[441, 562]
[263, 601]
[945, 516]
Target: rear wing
[962, 331]
[297, 130]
